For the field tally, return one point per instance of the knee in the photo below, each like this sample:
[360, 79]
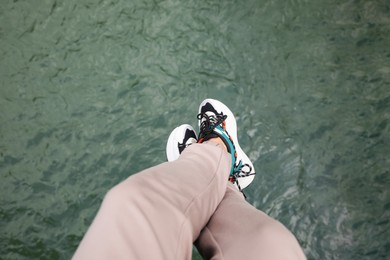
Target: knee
[275, 236]
[122, 193]
[273, 228]
[114, 198]
[115, 193]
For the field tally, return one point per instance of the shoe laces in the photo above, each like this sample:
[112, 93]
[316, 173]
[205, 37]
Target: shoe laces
[240, 170]
[208, 124]
[206, 128]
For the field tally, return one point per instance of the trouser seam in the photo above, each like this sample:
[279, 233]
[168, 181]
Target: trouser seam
[195, 199]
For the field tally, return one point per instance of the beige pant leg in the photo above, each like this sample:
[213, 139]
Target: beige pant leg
[238, 230]
[158, 213]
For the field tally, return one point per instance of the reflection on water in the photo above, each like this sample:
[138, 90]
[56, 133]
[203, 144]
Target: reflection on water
[91, 90]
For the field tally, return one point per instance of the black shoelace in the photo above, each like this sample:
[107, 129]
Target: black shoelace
[207, 126]
[207, 132]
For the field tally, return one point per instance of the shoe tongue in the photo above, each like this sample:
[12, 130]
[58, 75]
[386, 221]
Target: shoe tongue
[189, 134]
[207, 108]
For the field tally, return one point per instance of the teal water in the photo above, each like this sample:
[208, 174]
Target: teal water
[90, 90]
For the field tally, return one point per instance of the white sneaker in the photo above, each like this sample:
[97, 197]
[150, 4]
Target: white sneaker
[216, 120]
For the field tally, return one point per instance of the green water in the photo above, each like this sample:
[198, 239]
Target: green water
[90, 90]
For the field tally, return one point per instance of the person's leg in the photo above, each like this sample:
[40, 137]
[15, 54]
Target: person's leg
[238, 230]
[158, 213]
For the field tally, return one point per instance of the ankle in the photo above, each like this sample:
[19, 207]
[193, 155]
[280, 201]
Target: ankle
[218, 141]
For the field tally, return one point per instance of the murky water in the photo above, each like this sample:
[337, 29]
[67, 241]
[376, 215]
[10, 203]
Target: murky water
[90, 91]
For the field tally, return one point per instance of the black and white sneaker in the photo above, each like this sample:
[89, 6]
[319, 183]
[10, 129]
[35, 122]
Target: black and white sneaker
[216, 120]
[179, 139]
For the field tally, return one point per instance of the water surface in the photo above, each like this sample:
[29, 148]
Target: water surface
[90, 90]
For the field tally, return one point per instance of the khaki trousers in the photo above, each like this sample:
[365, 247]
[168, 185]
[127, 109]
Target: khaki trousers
[160, 212]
